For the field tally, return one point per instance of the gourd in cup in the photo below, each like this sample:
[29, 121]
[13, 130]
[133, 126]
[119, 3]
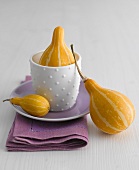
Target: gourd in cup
[33, 104]
[54, 74]
[111, 111]
[57, 54]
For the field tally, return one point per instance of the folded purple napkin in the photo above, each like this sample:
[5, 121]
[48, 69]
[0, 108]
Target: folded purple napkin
[32, 135]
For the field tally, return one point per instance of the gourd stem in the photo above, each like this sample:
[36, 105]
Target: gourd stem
[84, 78]
[6, 100]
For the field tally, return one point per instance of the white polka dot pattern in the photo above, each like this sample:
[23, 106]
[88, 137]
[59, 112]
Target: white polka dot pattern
[59, 85]
[56, 69]
[63, 75]
[50, 76]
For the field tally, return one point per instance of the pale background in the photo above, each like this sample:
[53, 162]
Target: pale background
[106, 34]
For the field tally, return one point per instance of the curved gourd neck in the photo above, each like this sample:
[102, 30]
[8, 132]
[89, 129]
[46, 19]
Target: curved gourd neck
[15, 100]
[91, 85]
[58, 36]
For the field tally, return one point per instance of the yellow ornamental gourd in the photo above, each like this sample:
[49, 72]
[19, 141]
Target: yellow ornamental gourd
[33, 104]
[111, 111]
[57, 54]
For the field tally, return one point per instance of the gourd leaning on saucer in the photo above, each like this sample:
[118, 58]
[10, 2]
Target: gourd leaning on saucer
[111, 111]
[33, 104]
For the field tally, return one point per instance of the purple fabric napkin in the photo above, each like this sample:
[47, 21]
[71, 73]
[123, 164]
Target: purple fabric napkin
[33, 135]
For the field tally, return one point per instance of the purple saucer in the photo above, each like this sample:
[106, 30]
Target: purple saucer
[80, 109]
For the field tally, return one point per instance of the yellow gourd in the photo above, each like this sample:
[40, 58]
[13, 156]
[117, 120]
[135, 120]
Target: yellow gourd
[33, 104]
[111, 111]
[57, 54]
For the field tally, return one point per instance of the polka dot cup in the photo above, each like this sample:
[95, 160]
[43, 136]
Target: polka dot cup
[60, 85]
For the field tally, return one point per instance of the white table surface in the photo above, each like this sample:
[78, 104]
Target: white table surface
[106, 34]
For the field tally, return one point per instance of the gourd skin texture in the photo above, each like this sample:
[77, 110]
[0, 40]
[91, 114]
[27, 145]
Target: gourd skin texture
[57, 54]
[35, 105]
[111, 111]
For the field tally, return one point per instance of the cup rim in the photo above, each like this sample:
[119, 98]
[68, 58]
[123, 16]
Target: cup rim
[31, 60]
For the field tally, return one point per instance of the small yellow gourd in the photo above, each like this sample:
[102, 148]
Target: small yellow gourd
[33, 104]
[111, 111]
[57, 54]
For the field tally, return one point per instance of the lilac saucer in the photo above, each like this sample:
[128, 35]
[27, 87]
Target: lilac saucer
[80, 109]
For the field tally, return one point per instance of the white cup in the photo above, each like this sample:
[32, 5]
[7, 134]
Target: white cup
[60, 85]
